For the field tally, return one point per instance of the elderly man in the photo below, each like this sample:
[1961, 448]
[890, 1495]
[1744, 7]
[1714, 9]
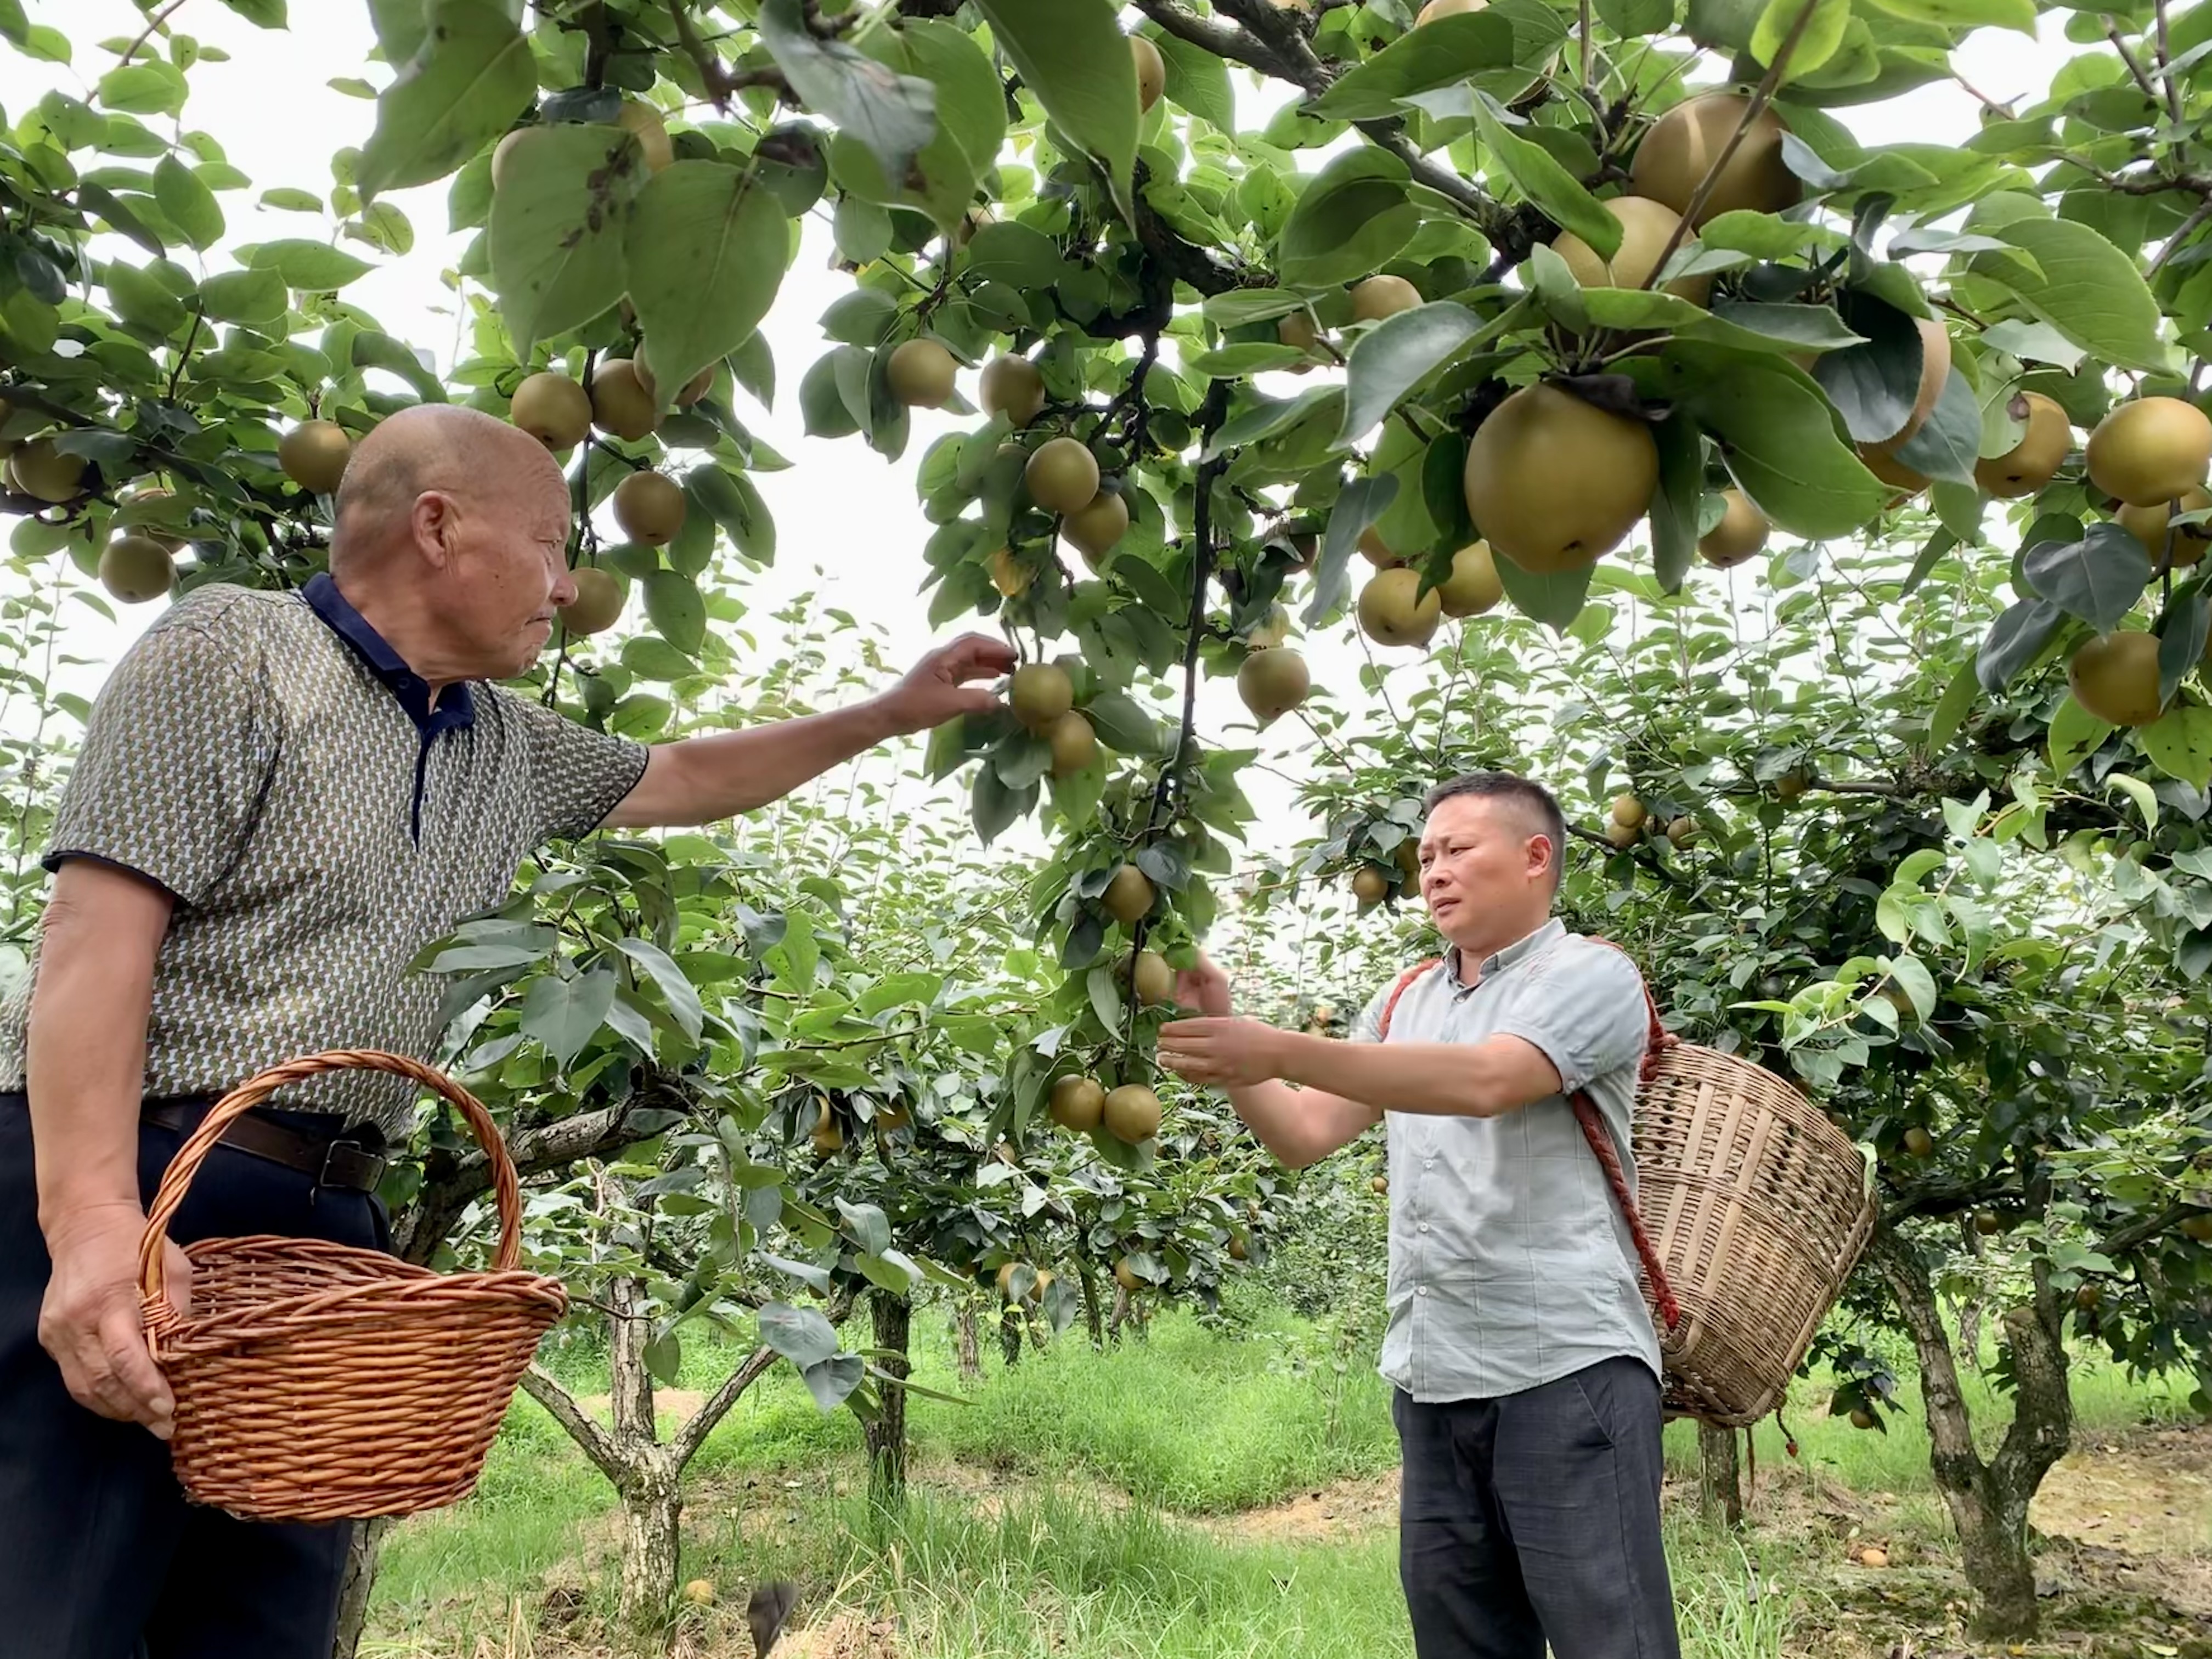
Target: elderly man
[282, 798]
[1525, 1365]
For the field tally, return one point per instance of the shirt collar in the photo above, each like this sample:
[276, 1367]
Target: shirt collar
[455, 710]
[1520, 951]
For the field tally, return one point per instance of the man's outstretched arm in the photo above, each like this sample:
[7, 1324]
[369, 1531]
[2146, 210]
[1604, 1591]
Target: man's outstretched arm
[705, 780]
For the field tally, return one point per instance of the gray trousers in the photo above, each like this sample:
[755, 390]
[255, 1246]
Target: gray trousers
[1534, 1517]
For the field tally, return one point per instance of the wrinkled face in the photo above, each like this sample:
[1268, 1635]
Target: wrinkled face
[506, 573]
[1478, 854]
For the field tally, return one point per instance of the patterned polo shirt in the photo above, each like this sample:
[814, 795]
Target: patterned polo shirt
[1510, 1265]
[270, 760]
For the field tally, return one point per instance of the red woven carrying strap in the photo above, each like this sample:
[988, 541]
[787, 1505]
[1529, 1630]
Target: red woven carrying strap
[1593, 1131]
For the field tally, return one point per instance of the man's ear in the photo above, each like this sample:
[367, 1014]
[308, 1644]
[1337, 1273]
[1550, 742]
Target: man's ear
[435, 522]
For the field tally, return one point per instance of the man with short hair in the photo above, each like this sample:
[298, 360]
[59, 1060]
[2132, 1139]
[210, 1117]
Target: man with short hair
[282, 798]
[1525, 1365]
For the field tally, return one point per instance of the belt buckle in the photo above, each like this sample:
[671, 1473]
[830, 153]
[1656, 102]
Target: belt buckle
[378, 1163]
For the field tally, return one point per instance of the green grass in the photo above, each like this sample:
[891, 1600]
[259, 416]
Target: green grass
[1191, 1424]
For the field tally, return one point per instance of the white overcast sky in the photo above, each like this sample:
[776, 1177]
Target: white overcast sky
[848, 525]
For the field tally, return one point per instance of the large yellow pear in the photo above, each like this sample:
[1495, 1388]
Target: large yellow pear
[1272, 683]
[1554, 482]
[920, 374]
[1683, 144]
[1389, 612]
[1013, 387]
[2035, 459]
[649, 507]
[313, 455]
[1473, 586]
[2150, 449]
[2115, 677]
[601, 595]
[1741, 533]
[1151, 71]
[552, 409]
[643, 122]
[1077, 1102]
[1062, 475]
[1094, 529]
[39, 469]
[1129, 895]
[1935, 370]
[620, 401]
[1383, 297]
[1074, 744]
[1132, 1114]
[1646, 228]
[2147, 526]
[1040, 693]
[135, 569]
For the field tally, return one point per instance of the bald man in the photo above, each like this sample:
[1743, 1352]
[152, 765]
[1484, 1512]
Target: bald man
[281, 799]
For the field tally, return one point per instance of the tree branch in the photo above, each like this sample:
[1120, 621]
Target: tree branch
[597, 1443]
[2042, 1416]
[693, 1435]
[1222, 39]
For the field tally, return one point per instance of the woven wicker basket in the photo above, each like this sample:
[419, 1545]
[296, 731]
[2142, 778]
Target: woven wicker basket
[1758, 1206]
[1751, 1210]
[316, 1382]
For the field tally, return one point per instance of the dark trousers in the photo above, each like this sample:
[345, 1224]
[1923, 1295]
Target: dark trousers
[100, 1556]
[1534, 1517]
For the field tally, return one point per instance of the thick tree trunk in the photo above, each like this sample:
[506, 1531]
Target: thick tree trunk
[1988, 1502]
[1010, 1334]
[1093, 1315]
[1120, 1317]
[886, 1436]
[1720, 1476]
[967, 1350]
[359, 1580]
[652, 1533]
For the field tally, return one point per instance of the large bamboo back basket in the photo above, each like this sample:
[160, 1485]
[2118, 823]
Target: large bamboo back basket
[1751, 1210]
[316, 1382]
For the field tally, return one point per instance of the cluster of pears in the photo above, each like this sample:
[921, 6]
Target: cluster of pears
[2151, 455]
[624, 402]
[1079, 1104]
[1629, 820]
[1393, 608]
[1372, 883]
[1373, 298]
[1041, 1282]
[1042, 696]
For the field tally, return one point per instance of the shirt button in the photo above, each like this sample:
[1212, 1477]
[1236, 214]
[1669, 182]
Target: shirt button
[1421, 1289]
[1428, 1164]
[1425, 1226]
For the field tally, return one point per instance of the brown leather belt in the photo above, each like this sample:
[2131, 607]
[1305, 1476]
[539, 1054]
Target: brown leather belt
[333, 1162]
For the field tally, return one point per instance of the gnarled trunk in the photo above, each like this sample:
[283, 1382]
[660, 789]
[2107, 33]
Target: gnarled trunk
[1010, 1334]
[894, 1318]
[653, 1534]
[360, 1580]
[1988, 1501]
[1720, 1476]
[1093, 1315]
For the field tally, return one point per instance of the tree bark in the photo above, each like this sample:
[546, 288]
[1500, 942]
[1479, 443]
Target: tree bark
[1988, 1501]
[886, 1437]
[965, 1347]
[1720, 1476]
[1120, 1316]
[1093, 1315]
[653, 1534]
[360, 1579]
[1010, 1334]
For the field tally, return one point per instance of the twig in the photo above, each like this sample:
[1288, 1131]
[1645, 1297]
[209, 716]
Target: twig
[693, 1435]
[596, 1443]
[183, 356]
[2173, 243]
[153, 24]
[2165, 74]
[2135, 64]
[1755, 106]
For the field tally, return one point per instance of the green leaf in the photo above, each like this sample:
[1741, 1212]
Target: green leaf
[262, 14]
[1777, 439]
[1360, 504]
[971, 122]
[1806, 328]
[2140, 792]
[559, 228]
[706, 255]
[2180, 742]
[1121, 724]
[1351, 219]
[471, 77]
[1071, 55]
[1105, 996]
[2015, 639]
[1949, 441]
[2085, 287]
[97, 200]
[1441, 52]
[1267, 417]
[1675, 508]
[2074, 736]
[2183, 629]
[1245, 305]
[1816, 43]
[142, 301]
[2097, 578]
[677, 612]
[1537, 173]
[1952, 708]
[373, 350]
[801, 1335]
[562, 1014]
[187, 204]
[1234, 362]
[1554, 598]
[832, 1381]
[1197, 80]
[992, 806]
[2033, 342]
[1962, 15]
[288, 200]
[664, 1358]
[1911, 975]
[1018, 255]
[401, 27]
[893, 989]
[680, 995]
[311, 267]
[869, 1228]
[1399, 353]
[1873, 384]
[893, 114]
[244, 296]
[143, 89]
[1630, 19]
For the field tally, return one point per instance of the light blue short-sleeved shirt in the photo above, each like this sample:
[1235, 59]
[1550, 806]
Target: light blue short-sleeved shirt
[1510, 1264]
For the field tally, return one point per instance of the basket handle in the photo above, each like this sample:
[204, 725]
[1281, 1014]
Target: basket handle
[152, 1289]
